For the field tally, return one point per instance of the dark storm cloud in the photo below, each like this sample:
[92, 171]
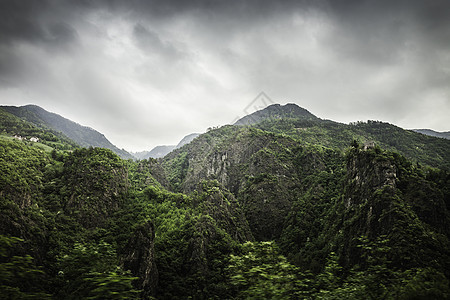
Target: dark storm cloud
[22, 19]
[388, 26]
[22, 23]
[18, 20]
[250, 8]
[143, 65]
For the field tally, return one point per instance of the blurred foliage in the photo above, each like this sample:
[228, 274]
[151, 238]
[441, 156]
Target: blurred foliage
[91, 271]
[260, 272]
[20, 278]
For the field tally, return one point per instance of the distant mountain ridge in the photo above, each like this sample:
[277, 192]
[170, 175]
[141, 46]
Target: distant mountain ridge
[87, 137]
[82, 135]
[444, 135]
[157, 152]
[276, 111]
[163, 150]
[187, 139]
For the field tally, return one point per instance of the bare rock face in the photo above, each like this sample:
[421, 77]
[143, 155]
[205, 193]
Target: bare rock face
[140, 259]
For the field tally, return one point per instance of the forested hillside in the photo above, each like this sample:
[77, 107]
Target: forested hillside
[285, 207]
[80, 135]
[12, 126]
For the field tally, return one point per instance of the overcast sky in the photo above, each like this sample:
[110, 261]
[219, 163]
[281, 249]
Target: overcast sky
[146, 73]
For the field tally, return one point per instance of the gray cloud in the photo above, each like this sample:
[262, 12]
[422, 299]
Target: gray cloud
[18, 21]
[151, 43]
[148, 72]
[61, 34]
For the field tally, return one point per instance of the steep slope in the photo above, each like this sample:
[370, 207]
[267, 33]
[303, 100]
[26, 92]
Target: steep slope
[381, 198]
[82, 135]
[258, 167]
[389, 221]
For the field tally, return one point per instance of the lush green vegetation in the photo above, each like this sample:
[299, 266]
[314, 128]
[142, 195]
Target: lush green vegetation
[284, 209]
[417, 147]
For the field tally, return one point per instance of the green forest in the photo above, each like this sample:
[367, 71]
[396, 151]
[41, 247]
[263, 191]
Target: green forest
[287, 208]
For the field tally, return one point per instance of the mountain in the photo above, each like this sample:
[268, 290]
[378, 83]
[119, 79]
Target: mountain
[187, 139]
[318, 187]
[157, 152]
[302, 126]
[82, 135]
[12, 126]
[161, 151]
[276, 111]
[444, 135]
[288, 207]
[140, 154]
[265, 170]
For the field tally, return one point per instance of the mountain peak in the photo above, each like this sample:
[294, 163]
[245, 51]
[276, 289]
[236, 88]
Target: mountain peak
[276, 111]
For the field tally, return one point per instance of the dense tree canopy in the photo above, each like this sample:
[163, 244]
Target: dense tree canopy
[283, 209]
